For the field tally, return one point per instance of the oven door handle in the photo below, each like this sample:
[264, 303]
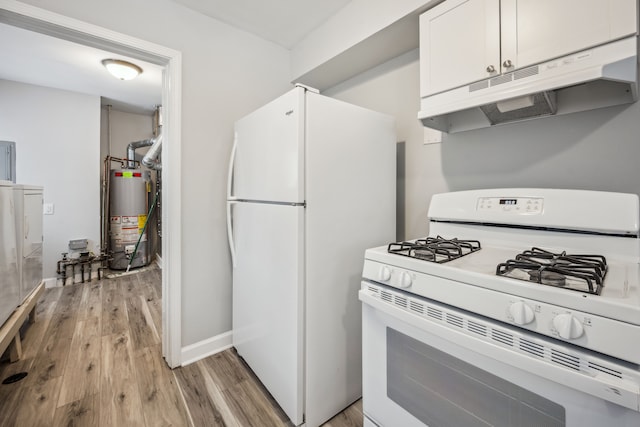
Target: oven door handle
[623, 392]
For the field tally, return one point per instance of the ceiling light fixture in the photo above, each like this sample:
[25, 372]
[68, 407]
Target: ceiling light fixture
[122, 70]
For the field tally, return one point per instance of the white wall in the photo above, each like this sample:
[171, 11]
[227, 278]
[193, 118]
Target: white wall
[393, 88]
[226, 73]
[57, 136]
[125, 128]
[354, 23]
[595, 150]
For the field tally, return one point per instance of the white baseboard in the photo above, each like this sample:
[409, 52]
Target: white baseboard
[194, 352]
[51, 282]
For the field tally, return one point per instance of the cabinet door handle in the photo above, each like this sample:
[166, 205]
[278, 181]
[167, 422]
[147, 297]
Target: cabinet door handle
[507, 64]
[491, 69]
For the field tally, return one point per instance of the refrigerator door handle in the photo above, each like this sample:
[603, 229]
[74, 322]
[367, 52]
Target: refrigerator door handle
[232, 246]
[232, 159]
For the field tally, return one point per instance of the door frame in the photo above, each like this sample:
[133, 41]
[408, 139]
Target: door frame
[56, 25]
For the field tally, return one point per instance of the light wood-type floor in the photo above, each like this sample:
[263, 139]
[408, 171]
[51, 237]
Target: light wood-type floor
[93, 358]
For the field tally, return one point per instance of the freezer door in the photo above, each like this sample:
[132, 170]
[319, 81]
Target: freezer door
[269, 155]
[9, 282]
[268, 289]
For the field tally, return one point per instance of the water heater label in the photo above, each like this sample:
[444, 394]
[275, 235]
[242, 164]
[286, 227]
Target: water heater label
[130, 221]
[142, 219]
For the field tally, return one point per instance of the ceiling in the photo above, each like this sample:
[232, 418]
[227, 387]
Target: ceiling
[284, 22]
[43, 60]
[35, 58]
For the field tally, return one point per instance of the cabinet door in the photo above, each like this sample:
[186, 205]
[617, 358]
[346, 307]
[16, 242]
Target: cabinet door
[459, 44]
[534, 31]
[32, 223]
[32, 246]
[9, 279]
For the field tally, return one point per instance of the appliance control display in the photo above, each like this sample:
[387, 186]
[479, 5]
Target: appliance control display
[511, 206]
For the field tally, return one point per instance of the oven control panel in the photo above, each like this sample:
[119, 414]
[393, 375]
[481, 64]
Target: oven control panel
[394, 277]
[513, 205]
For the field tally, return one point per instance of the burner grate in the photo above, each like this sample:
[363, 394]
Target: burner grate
[584, 273]
[435, 249]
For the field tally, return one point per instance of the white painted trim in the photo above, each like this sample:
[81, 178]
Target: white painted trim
[60, 26]
[56, 25]
[172, 213]
[198, 351]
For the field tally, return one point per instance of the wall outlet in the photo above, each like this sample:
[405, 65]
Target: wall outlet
[48, 208]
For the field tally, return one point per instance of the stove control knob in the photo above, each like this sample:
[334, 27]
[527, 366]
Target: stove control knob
[384, 274]
[568, 327]
[405, 280]
[521, 312]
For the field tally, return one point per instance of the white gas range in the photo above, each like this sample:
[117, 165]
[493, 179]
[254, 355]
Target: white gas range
[527, 297]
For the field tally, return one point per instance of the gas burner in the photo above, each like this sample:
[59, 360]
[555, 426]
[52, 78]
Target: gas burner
[547, 277]
[435, 249]
[584, 273]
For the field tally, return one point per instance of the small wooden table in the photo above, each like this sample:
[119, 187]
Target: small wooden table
[10, 331]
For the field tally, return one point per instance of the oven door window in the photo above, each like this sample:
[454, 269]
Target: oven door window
[441, 390]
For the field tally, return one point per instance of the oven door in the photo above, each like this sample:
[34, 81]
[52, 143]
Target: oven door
[422, 366]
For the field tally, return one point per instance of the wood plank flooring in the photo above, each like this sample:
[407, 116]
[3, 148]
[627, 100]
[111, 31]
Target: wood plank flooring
[93, 358]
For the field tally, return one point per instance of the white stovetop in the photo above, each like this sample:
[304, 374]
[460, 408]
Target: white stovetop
[509, 221]
[620, 297]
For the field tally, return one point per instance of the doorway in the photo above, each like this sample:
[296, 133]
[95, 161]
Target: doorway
[48, 23]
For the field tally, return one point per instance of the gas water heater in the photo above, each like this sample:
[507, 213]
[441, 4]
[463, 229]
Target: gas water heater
[129, 204]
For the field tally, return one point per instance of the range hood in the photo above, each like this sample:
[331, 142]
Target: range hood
[598, 77]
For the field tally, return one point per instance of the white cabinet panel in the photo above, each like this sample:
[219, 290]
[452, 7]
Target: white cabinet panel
[464, 41]
[459, 43]
[9, 279]
[534, 31]
[32, 222]
[31, 268]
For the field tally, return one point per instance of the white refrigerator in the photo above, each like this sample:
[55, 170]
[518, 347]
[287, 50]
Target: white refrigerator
[311, 185]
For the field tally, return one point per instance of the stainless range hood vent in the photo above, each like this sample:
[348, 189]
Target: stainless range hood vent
[599, 77]
[526, 107]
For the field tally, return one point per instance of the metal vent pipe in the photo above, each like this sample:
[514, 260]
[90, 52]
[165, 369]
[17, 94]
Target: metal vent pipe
[150, 159]
[131, 151]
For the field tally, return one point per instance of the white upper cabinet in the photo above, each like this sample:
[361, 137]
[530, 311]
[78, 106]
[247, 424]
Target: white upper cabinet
[459, 43]
[462, 41]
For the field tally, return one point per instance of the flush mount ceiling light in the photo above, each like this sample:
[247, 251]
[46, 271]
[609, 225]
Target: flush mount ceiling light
[122, 70]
